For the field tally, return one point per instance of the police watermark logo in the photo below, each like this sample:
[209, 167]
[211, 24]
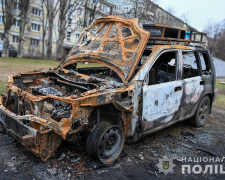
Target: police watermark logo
[166, 165]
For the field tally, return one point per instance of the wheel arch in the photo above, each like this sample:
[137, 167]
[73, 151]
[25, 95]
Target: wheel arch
[109, 113]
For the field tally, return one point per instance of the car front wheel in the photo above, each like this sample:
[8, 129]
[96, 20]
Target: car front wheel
[106, 142]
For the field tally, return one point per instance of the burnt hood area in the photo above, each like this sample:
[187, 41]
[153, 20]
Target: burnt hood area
[69, 81]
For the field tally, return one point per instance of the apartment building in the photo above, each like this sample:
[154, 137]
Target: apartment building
[145, 10]
[33, 41]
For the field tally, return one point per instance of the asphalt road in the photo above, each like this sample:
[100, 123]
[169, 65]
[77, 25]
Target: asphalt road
[137, 161]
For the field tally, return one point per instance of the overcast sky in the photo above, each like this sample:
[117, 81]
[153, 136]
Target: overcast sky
[199, 11]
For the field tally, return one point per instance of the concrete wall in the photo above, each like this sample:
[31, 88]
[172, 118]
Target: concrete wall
[219, 66]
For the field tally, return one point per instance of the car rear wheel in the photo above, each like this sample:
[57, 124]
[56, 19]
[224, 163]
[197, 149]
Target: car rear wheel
[202, 113]
[106, 142]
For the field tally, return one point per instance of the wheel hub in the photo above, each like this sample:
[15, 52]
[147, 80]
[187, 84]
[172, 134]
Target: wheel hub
[110, 143]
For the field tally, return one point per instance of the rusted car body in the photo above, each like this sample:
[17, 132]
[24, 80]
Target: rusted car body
[135, 89]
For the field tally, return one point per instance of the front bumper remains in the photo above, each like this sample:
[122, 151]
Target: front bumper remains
[42, 143]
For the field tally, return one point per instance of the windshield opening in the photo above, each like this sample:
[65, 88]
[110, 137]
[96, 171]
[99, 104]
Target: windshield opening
[93, 70]
[144, 57]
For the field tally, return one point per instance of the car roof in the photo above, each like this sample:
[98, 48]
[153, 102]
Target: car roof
[183, 47]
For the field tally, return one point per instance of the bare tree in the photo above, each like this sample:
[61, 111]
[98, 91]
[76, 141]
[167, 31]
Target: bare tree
[67, 8]
[24, 17]
[9, 17]
[52, 8]
[216, 38]
[141, 10]
[171, 10]
[90, 11]
[185, 18]
[43, 19]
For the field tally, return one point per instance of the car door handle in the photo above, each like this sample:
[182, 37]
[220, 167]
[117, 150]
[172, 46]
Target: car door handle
[202, 82]
[178, 88]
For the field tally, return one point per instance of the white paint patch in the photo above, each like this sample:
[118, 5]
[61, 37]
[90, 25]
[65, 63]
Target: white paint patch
[161, 100]
[193, 90]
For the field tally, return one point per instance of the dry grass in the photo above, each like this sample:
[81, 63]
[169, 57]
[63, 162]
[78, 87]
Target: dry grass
[220, 98]
[9, 66]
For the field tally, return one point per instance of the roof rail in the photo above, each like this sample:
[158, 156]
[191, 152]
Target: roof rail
[163, 34]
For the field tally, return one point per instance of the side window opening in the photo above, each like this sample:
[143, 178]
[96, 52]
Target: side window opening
[204, 63]
[190, 65]
[164, 69]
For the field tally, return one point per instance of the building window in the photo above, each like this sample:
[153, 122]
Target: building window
[71, 10]
[36, 11]
[127, 8]
[105, 8]
[77, 36]
[35, 27]
[16, 23]
[1, 37]
[1, 19]
[117, 7]
[2, 1]
[68, 36]
[78, 24]
[15, 39]
[79, 11]
[17, 5]
[69, 22]
[34, 42]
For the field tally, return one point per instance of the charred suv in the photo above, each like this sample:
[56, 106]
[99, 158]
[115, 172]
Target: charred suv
[119, 82]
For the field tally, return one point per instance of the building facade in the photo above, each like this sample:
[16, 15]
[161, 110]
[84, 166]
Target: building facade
[146, 11]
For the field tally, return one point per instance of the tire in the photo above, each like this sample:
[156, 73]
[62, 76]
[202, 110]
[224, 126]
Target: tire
[91, 138]
[105, 142]
[202, 113]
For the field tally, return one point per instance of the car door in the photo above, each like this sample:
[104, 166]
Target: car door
[193, 84]
[207, 75]
[163, 92]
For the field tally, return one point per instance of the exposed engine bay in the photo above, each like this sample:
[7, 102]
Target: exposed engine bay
[63, 83]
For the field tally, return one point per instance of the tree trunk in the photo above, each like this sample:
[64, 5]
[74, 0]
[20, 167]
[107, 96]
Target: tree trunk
[8, 20]
[24, 14]
[62, 28]
[49, 44]
[21, 38]
[43, 44]
[5, 51]
[59, 46]
[50, 29]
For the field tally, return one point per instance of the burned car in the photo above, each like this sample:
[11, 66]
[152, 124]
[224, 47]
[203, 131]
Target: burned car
[119, 83]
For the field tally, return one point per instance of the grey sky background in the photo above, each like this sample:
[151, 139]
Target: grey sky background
[199, 12]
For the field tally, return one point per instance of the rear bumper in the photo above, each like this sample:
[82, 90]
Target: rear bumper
[15, 127]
